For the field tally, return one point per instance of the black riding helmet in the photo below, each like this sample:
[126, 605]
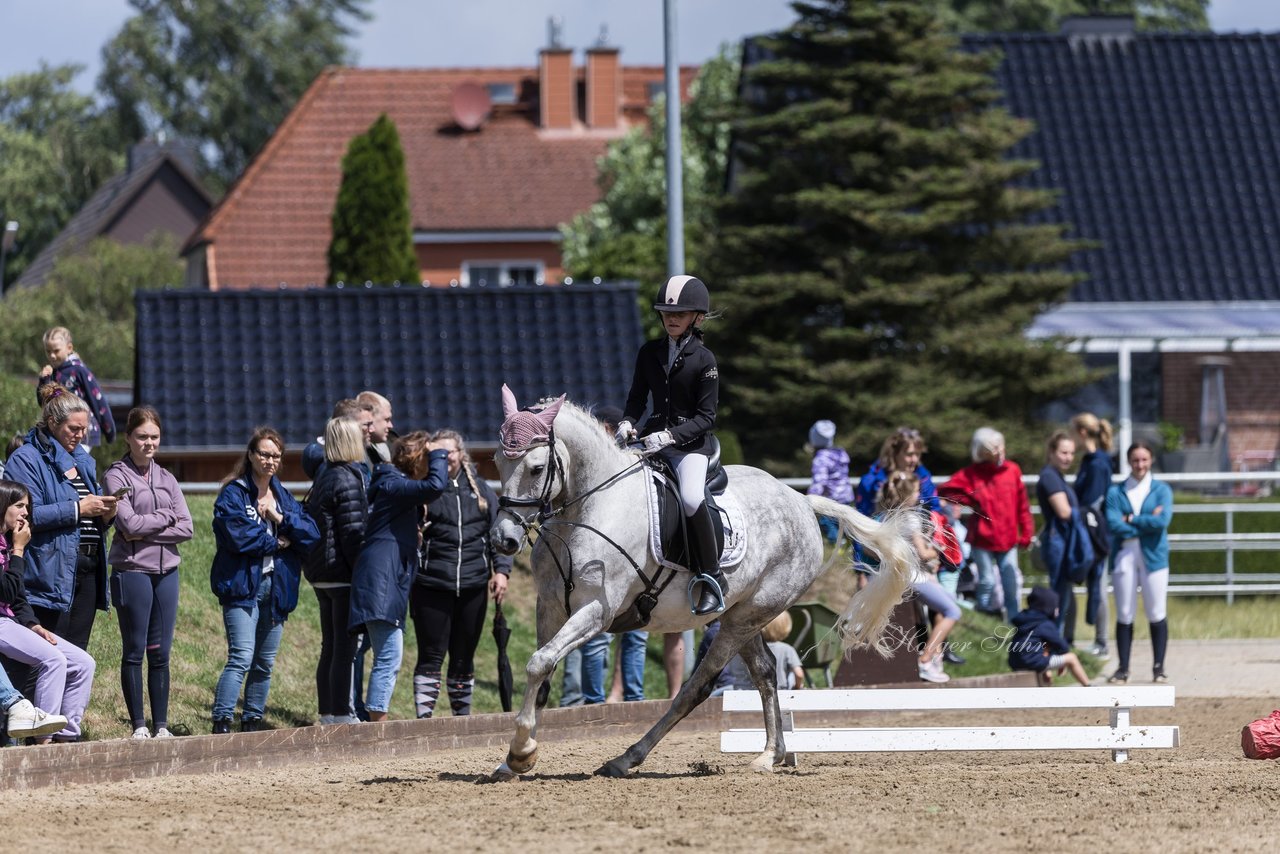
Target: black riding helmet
[684, 293]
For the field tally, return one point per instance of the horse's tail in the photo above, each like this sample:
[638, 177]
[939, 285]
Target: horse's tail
[866, 616]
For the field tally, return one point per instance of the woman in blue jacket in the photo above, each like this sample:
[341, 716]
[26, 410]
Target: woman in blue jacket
[262, 536]
[384, 572]
[66, 575]
[1138, 515]
[1093, 435]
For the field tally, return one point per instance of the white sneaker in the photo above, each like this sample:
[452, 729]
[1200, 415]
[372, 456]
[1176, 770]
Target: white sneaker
[26, 721]
[163, 732]
[929, 673]
[141, 733]
[1100, 652]
[326, 720]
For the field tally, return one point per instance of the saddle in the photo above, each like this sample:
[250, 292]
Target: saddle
[671, 550]
[671, 513]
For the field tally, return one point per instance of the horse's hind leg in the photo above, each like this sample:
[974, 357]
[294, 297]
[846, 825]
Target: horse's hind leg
[694, 691]
[763, 669]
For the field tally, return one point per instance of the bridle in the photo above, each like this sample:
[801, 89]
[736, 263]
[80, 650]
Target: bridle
[545, 521]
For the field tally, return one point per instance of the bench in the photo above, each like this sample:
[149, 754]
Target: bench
[1120, 737]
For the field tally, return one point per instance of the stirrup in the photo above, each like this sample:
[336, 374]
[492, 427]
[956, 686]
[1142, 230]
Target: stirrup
[712, 585]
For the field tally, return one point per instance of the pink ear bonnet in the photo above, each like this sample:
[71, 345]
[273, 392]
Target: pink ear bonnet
[523, 429]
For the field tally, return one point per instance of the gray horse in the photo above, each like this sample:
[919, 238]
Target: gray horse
[562, 474]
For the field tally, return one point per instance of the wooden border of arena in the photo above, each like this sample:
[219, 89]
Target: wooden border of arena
[126, 759]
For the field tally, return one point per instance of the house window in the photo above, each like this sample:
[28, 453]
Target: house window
[502, 93]
[503, 273]
[655, 89]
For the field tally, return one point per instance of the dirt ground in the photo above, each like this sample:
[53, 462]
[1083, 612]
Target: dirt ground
[1201, 796]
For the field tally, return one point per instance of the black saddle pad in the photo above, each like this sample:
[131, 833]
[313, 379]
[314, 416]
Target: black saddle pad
[671, 514]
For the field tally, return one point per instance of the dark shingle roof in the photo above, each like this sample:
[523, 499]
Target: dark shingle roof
[216, 364]
[1167, 150]
[102, 210]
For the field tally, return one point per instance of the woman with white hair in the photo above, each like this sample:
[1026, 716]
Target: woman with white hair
[992, 485]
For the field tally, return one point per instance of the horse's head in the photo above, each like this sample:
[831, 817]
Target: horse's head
[530, 463]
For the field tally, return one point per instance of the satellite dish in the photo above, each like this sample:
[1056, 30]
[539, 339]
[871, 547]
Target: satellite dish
[470, 105]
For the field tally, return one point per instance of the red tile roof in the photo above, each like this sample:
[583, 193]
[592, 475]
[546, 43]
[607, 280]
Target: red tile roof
[274, 224]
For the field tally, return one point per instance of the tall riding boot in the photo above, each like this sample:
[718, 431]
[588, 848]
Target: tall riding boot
[1124, 643]
[426, 690]
[1159, 643]
[704, 560]
[460, 694]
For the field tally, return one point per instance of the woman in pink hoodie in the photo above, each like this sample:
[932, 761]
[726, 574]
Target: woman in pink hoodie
[151, 520]
[1002, 521]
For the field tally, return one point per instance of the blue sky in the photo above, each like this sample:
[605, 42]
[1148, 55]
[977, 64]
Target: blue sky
[406, 33]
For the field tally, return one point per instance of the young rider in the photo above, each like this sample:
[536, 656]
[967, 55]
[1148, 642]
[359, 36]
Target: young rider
[680, 375]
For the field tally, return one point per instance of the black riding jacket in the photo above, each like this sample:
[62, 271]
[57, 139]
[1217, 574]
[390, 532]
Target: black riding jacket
[684, 401]
[456, 553]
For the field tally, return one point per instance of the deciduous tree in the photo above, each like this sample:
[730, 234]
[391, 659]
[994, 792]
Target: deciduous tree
[222, 72]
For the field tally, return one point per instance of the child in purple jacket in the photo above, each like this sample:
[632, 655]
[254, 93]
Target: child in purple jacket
[830, 473]
[66, 369]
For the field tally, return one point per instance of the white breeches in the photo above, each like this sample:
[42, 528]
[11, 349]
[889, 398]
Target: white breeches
[691, 471]
[1126, 575]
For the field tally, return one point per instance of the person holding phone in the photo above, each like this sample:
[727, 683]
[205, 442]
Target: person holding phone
[152, 519]
[66, 565]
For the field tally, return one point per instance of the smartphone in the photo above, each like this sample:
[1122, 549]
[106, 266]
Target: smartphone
[122, 492]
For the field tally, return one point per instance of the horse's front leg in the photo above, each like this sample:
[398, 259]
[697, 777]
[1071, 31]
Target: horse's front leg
[583, 624]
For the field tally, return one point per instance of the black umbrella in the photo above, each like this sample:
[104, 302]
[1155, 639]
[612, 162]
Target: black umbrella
[502, 634]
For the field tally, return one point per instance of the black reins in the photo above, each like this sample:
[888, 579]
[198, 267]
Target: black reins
[544, 521]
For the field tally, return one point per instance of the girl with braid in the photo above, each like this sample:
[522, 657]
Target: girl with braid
[458, 573]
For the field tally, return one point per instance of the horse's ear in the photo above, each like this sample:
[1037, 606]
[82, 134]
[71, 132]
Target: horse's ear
[548, 414]
[509, 406]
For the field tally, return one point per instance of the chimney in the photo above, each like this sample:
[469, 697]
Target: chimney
[556, 95]
[604, 84]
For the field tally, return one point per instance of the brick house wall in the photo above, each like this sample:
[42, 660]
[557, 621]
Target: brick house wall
[1253, 399]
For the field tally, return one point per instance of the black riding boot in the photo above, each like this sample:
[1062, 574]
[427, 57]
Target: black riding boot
[704, 561]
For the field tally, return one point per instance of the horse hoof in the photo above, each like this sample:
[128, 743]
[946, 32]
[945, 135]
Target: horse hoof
[762, 766]
[521, 764]
[613, 769]
[503, 774]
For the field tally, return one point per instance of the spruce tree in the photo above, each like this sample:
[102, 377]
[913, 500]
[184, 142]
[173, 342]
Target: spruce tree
[877, 260]
[372, 233]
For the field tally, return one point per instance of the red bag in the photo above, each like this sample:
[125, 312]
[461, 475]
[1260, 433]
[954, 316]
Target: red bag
[946, 541]
[1261, 739]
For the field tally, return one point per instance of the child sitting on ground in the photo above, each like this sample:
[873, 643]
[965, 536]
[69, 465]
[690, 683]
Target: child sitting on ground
[1037, 645]
[66, 369]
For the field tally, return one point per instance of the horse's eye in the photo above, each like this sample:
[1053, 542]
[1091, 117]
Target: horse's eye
[537, 471]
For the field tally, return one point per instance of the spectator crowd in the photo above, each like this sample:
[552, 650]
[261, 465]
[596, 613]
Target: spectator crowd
[394, 529]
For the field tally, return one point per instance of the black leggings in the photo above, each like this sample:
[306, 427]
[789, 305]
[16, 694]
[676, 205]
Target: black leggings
[337, 648]
[445, 622]
[76, 623]
[147, 605]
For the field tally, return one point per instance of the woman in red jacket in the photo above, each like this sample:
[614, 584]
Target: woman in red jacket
[993, 486]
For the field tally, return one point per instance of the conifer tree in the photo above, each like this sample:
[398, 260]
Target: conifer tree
[372, 233]
[878, 259]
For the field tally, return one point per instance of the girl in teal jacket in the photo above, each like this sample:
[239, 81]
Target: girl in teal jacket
[1138, 515]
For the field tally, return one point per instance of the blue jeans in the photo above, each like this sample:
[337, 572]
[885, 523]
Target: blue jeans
[595, 652]
[252, 642]
[387, 641]
[8, 694]
[633, 647]
[988, 562]
[571, 684]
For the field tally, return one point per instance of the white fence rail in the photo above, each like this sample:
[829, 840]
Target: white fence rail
[1228, 583]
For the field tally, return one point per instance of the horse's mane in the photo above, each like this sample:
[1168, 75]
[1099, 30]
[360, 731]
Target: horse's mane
[577, 423]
